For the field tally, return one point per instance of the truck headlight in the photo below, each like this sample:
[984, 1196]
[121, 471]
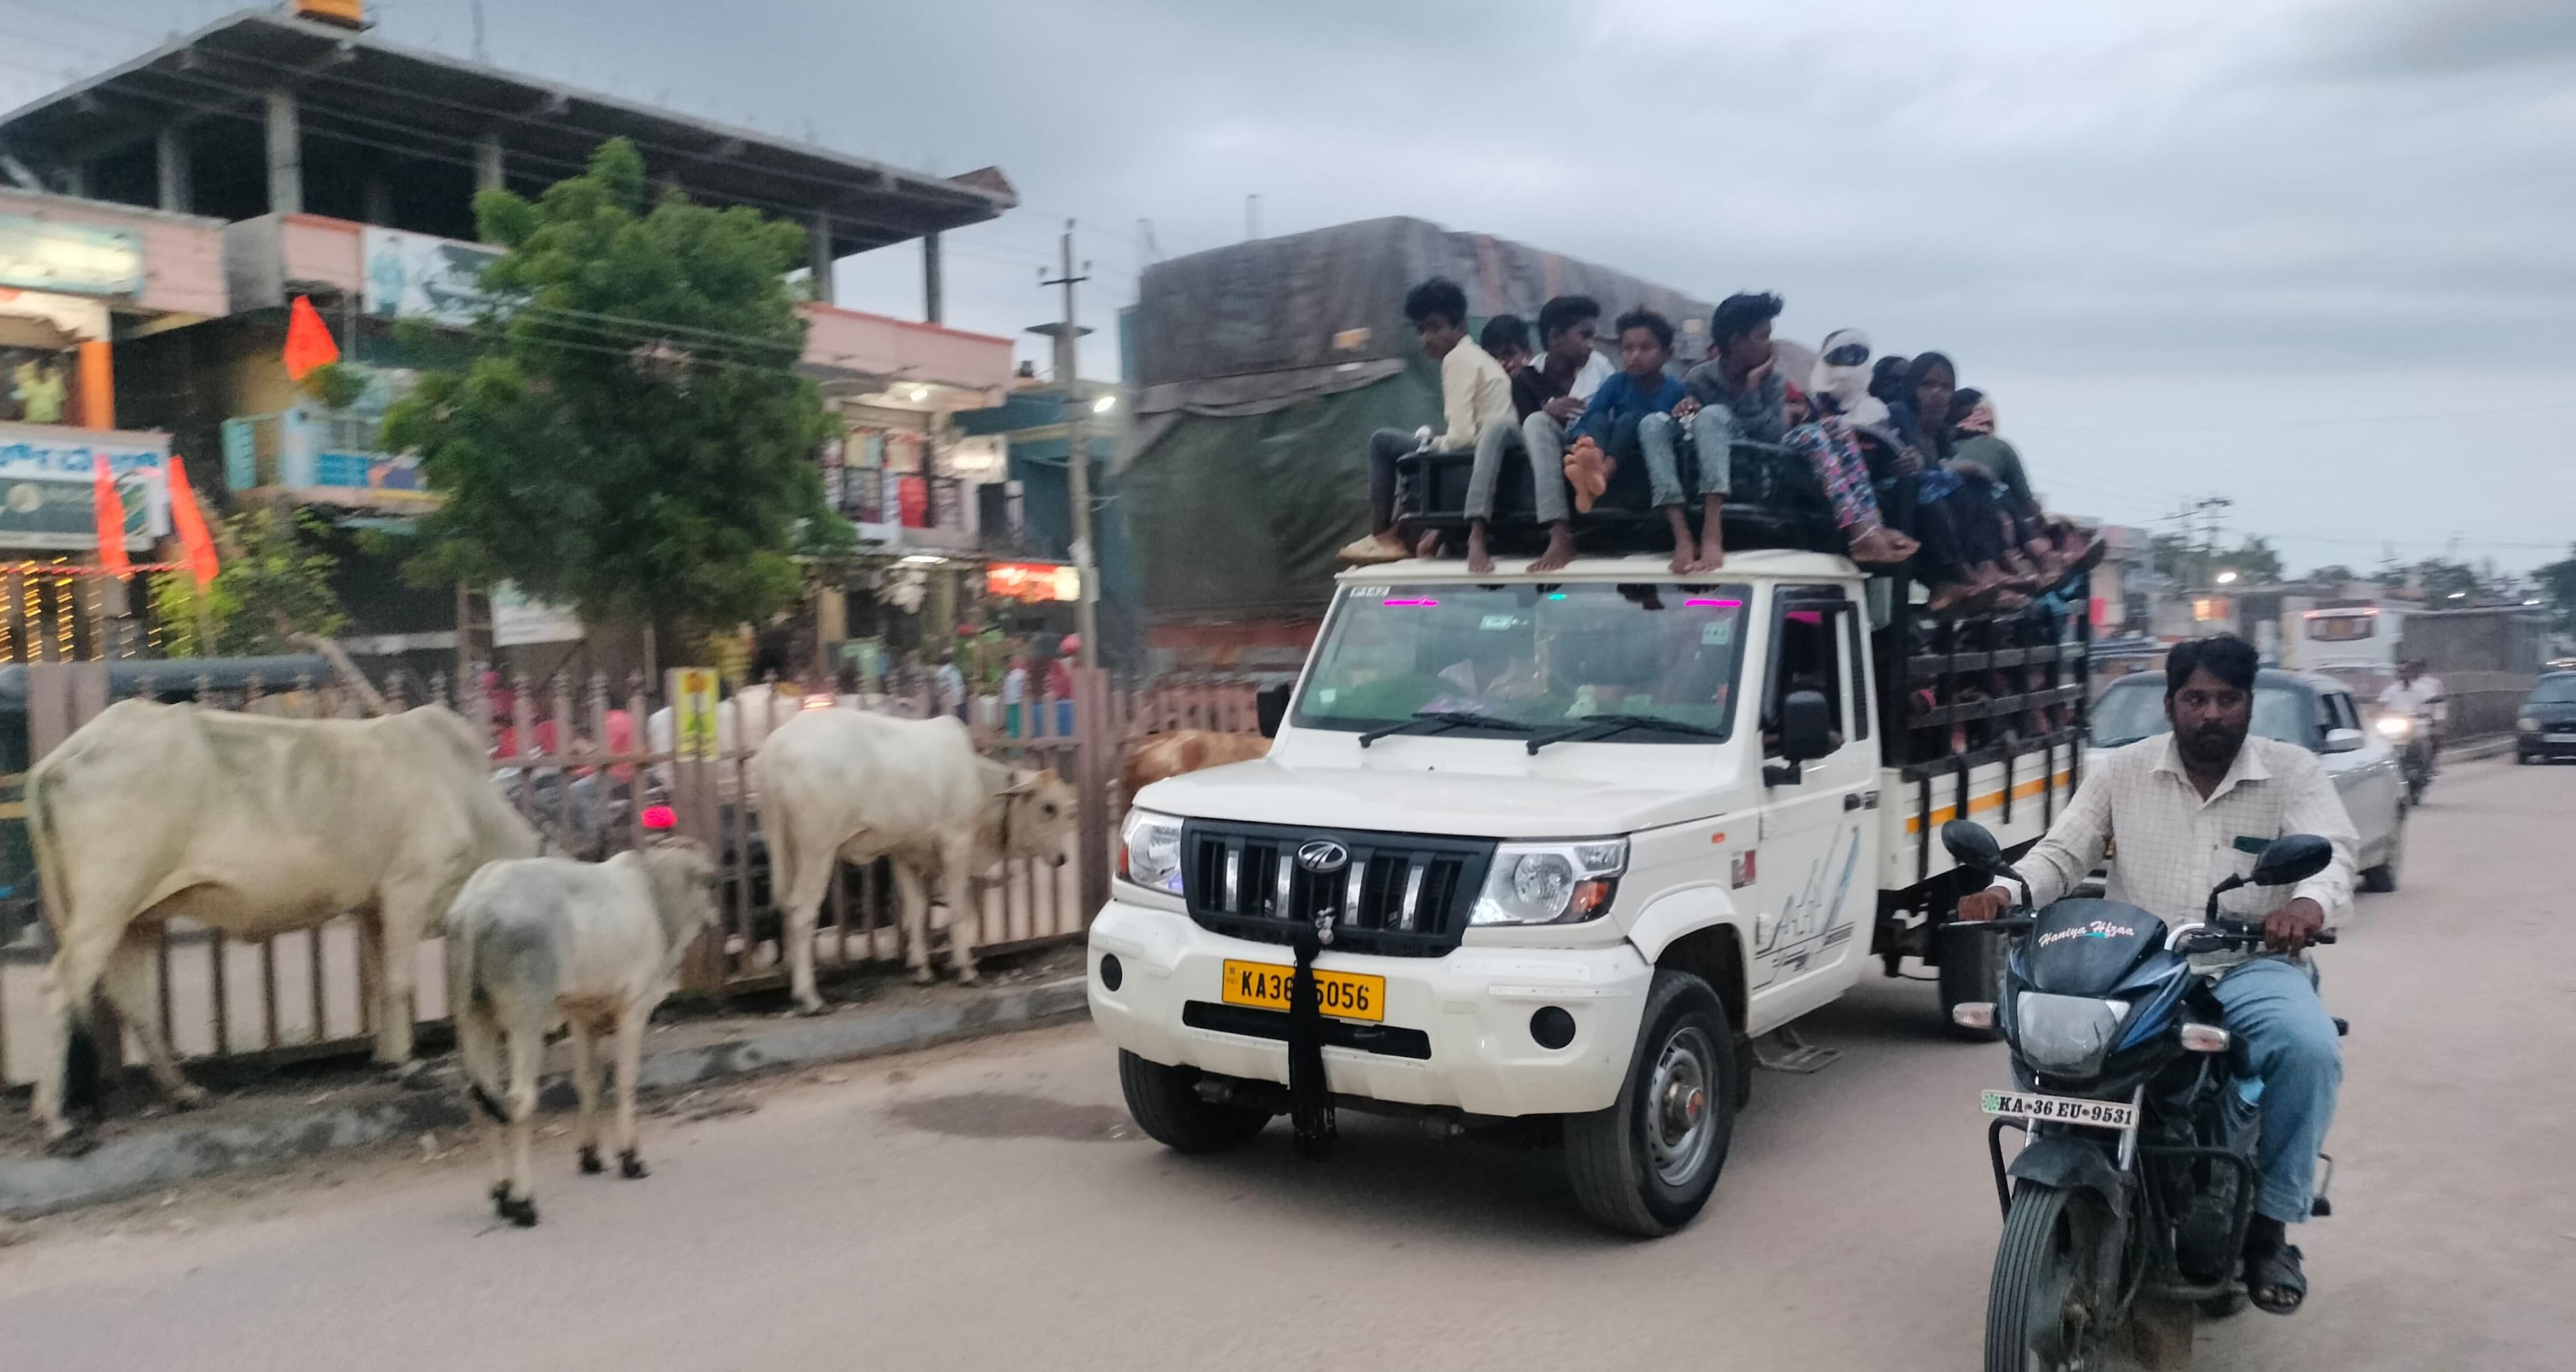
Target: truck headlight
[1149, 851]
[2396, 726]
[2527, 724]
[1550, 883]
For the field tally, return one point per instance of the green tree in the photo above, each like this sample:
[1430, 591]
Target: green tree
[2254, 561]
[2558, 582]
[2442, 579]
[274, 591]
[2334, 571]
[631, 439]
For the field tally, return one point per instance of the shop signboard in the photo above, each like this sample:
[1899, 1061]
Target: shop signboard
[693, 710]
[518, 620]
[421, 276]
[46, 485]
[1032, 581]
[73, 259]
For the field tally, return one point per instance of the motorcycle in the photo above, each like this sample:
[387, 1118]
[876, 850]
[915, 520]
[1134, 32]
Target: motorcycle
[2136, 1179]
[2412, 737]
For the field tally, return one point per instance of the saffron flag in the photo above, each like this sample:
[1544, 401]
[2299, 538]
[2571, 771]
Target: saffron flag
[308, 340]
[110, 509]
[193, 537]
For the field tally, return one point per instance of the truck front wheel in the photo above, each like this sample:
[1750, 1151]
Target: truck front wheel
[1168, 1107]
[1647, 1164]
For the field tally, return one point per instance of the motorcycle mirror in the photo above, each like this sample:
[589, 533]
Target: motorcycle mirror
[1973, 847]
[2291, 859]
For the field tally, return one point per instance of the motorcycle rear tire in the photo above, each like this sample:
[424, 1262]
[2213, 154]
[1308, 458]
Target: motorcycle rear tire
[2034, 1318]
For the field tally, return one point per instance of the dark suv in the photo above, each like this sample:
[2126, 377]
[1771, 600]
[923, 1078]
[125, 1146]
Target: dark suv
[2546, 726]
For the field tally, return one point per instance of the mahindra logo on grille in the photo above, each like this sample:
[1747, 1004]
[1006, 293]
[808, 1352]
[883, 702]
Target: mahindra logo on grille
[1323, 855]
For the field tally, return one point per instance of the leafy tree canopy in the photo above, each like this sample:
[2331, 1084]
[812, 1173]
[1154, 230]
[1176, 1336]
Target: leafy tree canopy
[631, 439]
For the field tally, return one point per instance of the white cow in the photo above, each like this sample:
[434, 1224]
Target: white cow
[843, 786]
[254, 826]
[542, 942]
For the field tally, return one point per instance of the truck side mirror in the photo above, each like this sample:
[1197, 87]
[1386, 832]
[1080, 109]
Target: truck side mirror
[1806, 733]
[1270, 707]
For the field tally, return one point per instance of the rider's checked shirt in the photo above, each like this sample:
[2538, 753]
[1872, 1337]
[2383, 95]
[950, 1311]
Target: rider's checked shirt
[2173, 845]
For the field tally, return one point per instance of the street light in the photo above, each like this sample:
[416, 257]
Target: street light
[2227, 578]
[1104, 404]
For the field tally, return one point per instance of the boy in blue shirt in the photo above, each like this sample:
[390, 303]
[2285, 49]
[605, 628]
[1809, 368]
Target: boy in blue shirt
[1610, 423]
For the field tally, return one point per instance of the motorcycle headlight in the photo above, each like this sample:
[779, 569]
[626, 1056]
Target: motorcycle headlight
[1550, 883]
[2066, 1036]
[2527, 724]
[1149, 851]
[2396, 726]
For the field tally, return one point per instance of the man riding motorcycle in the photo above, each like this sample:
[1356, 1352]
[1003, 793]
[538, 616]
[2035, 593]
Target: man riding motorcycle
[2417, 696]
[2188, 809]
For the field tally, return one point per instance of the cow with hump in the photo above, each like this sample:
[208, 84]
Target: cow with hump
[847, 786]
[254, 827]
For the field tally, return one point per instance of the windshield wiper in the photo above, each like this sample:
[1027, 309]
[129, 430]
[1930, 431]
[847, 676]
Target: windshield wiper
[1441, 721]
[1620, 723]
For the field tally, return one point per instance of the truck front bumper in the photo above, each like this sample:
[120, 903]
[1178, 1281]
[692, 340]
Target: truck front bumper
[1472, 1010]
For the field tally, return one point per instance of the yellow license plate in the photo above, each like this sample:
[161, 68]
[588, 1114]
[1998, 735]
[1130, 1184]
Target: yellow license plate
[1344, 995]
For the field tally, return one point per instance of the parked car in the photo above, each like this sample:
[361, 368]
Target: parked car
[2316, 712]
[2546, 726]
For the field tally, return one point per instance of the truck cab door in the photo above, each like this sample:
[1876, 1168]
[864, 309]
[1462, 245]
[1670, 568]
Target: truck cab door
[1816, 883]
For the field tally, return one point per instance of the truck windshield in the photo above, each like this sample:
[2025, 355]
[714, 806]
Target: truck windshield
[1532, 656]
[2127, 713]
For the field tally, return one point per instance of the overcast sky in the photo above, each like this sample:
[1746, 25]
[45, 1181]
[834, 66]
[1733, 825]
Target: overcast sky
[2315, 255]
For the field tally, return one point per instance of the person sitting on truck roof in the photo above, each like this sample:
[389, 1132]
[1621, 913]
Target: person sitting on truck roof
[1735, 394]
[1842, 380]
[1955, 515]
[2187, 808]
[1475, 401]
[1506, 337]
[1824, 438]
[1606, 434]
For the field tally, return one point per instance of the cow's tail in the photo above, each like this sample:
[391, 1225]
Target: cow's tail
[80, 1090]
[478, 1031]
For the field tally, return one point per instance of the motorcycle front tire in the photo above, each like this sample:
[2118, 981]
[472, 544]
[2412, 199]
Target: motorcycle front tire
[2047, 1307]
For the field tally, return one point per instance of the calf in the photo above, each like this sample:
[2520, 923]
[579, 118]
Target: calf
[844, 786]
[539, 942]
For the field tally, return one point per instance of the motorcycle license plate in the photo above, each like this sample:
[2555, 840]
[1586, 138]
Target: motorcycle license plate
[2101, 1114]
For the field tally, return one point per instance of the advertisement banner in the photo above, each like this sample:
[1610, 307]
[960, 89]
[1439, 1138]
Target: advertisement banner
[45, 485]
[419, 276]
[75, 259]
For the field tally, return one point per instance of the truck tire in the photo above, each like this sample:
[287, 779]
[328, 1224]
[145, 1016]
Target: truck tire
[1972, 970]
[1166, 1104]
[1647, 1164]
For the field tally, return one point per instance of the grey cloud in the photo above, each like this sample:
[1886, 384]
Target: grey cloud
[2415, 38]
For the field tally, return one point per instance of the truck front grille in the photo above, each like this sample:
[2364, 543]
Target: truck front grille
[1398, 895]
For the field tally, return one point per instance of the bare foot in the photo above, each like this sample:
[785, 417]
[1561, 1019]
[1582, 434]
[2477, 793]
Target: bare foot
[1429, 546]
[1378, 547]
[1560, 549]
[1480, 561]
[1587, 470]
[1685, 547]
[1881, 546]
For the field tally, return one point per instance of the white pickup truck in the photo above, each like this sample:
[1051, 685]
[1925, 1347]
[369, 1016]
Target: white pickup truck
[1565, 845]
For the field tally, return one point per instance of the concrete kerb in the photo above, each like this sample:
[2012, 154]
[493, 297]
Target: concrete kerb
[2478, 749]
[149, 1161]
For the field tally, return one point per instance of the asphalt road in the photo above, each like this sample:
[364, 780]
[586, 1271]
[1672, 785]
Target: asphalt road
[990, 1206]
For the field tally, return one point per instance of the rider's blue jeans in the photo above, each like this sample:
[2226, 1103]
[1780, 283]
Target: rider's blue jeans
[2284, 1035]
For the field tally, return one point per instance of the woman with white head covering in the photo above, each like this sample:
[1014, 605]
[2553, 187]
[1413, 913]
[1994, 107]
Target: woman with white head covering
[1842, 373]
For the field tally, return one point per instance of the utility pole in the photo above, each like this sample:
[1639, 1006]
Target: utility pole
[1068, 337]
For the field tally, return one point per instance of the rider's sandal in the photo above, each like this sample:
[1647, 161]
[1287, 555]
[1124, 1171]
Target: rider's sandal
[2273, 1281]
